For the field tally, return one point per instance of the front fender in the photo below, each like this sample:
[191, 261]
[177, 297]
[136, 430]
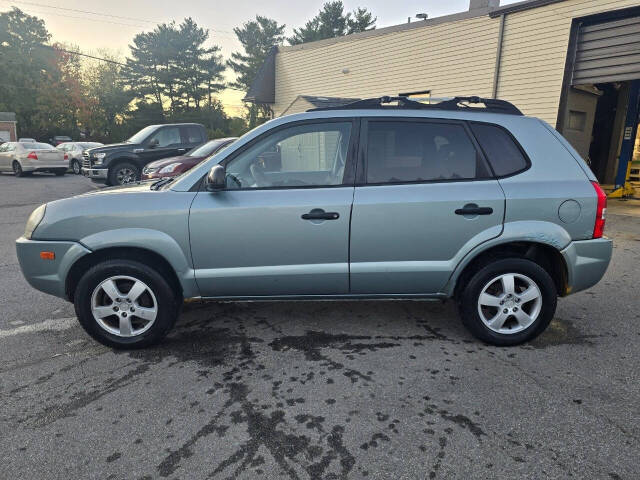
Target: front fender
[545, 233]
[153, 240]
[121, 156]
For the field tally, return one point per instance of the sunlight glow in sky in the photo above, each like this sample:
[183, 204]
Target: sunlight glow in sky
[94, 32]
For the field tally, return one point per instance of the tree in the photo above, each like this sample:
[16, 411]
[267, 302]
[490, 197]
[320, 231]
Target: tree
[331, 21]
[108, 99]
[23, 61]
[171, 65]
[257, 38]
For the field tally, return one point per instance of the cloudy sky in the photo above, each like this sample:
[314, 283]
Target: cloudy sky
[99, 24]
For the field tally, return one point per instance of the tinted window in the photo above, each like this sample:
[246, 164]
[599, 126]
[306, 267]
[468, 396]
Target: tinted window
[303, 155]
[500, 148]
[167, 136]
[193, 135]
[420, 151]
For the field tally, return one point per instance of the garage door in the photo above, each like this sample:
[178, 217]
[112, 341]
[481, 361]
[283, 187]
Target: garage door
[608, 52]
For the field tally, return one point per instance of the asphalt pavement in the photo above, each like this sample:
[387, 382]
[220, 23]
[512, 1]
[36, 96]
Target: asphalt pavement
[306, 390]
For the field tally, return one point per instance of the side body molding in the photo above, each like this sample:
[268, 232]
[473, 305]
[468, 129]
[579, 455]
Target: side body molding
[545, 233]
[155, 241]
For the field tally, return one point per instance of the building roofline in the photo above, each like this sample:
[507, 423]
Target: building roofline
[480, 12]
[521, 6]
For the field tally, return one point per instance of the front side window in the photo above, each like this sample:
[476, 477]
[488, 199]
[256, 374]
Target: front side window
[298, 156]
[413, 151]
[166, 136]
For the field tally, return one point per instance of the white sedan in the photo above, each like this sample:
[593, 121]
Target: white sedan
[24, 158]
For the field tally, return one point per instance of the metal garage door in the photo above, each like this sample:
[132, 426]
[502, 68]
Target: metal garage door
[608, 52]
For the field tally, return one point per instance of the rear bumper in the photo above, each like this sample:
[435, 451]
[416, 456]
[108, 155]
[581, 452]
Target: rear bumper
[48, 276]
[587, 261]
[37, 165]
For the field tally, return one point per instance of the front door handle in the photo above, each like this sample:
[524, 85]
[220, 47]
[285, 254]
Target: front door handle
[474, 210]
[319, 214]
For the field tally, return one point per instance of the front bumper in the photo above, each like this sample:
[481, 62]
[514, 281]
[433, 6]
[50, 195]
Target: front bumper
[48, 276]
[587, 261]
[99, 173]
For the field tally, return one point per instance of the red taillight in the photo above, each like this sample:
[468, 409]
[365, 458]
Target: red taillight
[66, 157]
[601, 212]
[32, 156]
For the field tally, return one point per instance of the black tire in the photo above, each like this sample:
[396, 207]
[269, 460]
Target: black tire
[76, 166]
[17, 169]
[168, 304]
[60, 172]
[120, 172]
[469, 297]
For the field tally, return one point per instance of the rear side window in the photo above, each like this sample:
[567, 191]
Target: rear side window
[193, 135]
[505, 157]
[421, 152]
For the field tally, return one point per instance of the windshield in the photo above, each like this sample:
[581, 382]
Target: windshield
[142, 134]
[206, 149]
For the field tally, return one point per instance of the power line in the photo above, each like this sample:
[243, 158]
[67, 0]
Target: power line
[89, 12]
[83, 55]
[83, 11]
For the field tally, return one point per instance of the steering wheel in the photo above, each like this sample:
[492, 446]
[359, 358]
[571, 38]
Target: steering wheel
[235, 180]
[258, 175]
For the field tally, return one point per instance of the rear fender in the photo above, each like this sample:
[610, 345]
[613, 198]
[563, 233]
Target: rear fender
[545, 233]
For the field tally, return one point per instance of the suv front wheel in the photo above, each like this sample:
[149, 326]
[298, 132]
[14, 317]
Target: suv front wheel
[125, 304]
[508, 302]
[123, 173]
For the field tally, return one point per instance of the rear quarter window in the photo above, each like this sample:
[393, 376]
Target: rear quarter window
[504, 154]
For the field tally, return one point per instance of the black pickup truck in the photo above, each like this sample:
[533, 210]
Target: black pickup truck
[122, 163]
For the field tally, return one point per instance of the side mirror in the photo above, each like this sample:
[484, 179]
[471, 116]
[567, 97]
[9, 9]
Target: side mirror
[154, 143]
[216, 179]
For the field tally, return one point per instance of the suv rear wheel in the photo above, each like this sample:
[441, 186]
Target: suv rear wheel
[125, 304]
[123, 173]
[508, 302]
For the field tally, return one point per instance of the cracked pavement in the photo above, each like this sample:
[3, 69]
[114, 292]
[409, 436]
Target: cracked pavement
[310, 390]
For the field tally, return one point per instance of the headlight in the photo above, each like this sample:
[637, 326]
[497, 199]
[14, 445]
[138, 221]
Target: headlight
[98, 157]
[169, 168]
[34, 220]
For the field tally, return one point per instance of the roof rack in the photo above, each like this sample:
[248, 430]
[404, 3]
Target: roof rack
[491, 105]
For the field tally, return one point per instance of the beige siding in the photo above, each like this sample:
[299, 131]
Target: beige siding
[534, 53]
[412, 60]
[454, 58]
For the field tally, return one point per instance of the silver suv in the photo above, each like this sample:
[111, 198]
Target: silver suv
[383, 198]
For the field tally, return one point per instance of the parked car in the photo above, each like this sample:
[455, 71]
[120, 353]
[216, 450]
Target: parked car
[27, 140]
[24, 158]
[172, 166]
[74, 151]
[456, 200]
[122, 163]
[58, 139]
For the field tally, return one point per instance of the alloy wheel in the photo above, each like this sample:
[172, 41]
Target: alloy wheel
[124, 306]
[76, 167]
[125, 175]
[510, 303]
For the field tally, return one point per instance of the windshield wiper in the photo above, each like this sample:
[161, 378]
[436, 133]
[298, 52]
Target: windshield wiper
[161, 183]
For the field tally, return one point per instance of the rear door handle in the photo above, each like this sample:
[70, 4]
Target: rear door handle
[319, 214]
[474, 211]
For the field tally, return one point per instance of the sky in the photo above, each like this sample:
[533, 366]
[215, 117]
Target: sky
[113, 24]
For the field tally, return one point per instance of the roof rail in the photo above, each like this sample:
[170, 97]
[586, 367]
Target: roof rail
[491, 105]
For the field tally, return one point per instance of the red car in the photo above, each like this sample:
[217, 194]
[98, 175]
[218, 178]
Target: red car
[172, 166]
